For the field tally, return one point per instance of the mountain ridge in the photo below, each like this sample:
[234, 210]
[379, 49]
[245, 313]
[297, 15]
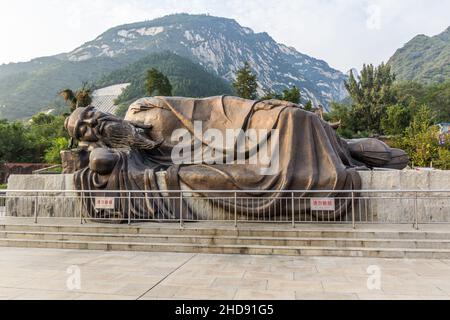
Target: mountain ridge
[220, 45]
[423, 59]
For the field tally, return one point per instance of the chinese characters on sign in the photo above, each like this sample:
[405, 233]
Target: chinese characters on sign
[104, 203]
[323, 204]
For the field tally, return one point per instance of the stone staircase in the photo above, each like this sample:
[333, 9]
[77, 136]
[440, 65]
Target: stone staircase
[338, 240]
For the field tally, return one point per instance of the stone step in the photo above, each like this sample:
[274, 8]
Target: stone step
[230, 240]
[344, 232]
[232, 249]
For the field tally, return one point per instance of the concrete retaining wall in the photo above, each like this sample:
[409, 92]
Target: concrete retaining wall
[398, 207]
[50, 204]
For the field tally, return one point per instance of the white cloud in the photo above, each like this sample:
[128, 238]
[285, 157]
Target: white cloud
[373, 17]
[345, 33]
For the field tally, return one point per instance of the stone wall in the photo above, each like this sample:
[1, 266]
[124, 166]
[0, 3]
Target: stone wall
[395, 207]
[46, 205]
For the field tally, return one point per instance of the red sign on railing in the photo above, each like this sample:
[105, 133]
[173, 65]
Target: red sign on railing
[104, 203]
[323, 204]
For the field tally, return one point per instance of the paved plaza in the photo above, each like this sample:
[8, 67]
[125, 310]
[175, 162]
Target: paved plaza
[48, 274]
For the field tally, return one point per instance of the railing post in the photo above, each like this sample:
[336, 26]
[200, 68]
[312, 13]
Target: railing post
[353, 210]
[181, 210]
[36, 209]
[235, 210]
[81, 207]
[129, 208]
[293, 210]
[416, 212]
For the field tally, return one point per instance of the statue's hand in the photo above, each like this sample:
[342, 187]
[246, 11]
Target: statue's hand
[103, 161]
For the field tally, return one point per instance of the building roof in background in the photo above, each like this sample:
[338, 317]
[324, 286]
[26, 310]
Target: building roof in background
[444, 127]
[103, 99]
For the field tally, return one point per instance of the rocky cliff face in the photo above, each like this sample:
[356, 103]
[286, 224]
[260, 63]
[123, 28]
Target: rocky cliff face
[222, 46]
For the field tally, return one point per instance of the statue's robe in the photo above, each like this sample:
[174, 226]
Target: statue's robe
[312, 156]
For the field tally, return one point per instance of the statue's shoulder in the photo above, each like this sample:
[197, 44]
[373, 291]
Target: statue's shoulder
[144, 104]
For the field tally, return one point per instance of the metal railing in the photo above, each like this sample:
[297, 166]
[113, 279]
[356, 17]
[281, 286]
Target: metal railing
[2, 204]
[296, 207]
[49, 170]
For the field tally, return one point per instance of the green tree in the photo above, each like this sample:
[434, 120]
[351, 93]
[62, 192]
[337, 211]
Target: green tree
[270, 94]
[158, 84]
[396, 120]
[52, 153]
[438, 98]
[420, 139]
[14, 143]
[41, 131]
[293, 95]
[29, 141]
[78, 99]
[435, 96]
[309, 106]
[443, 160]
[246, 84]
[343, 113]
[371, 93]
[122, 110]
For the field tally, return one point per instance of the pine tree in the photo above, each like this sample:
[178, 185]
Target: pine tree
[309, 106]
[292, 95]
[158, 84]
[269, 95]
[245, 84]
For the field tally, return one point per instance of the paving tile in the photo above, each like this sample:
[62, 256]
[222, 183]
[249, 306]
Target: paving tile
[11, 282]
[301, 295]
[269, 275]
[161, 291]
[44, 284]
[10, 293]
[381, 296]
[103, 297]
[47, 295]
[257, 284]
[135, 289]
[246, 294]
[41, 274]
[191, 282]
[412, 289]
[210, 272]
[306, 286]
[330, 286]
[205, 293]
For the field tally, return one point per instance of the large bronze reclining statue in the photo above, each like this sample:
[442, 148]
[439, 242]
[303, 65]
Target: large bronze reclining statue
[159, 133]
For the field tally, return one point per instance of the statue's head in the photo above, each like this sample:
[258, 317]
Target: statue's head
[81, 125]
[85, 124]
[96, 128]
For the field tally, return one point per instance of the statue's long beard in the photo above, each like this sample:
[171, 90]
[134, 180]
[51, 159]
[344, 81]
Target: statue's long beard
[120, 135]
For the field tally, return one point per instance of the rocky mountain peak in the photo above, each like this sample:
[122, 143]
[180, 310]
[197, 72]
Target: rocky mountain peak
[222, 46]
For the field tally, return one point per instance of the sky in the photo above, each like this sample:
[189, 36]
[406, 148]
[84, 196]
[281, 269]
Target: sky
[344, 33]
